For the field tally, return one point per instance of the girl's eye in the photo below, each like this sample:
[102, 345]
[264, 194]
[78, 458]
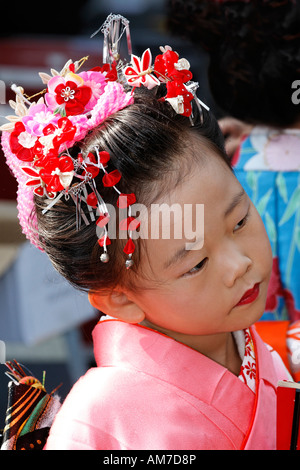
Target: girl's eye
[197, 268]
[241, 223]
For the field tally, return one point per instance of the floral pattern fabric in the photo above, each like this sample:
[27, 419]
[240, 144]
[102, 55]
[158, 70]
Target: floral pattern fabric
[248, 368]
[267, 164]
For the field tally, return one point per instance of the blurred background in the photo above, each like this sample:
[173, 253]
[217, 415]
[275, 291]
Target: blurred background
[46, 324]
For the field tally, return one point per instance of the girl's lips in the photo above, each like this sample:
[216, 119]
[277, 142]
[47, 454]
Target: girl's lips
[249, 296]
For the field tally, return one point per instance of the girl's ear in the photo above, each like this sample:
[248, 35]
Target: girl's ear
[116, 304]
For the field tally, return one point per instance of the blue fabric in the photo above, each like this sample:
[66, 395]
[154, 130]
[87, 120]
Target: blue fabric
[275, 193]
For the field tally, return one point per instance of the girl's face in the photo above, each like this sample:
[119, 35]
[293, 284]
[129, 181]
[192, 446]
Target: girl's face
[199, 291]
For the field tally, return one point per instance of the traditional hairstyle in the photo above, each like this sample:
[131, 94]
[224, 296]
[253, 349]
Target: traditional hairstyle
[253, 49]
[147, 142]
[93, 146]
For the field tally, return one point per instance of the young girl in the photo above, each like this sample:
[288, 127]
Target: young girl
[254, 72]
[179, 365]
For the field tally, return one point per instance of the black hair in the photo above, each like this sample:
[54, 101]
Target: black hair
[254, 54]
[145, 141]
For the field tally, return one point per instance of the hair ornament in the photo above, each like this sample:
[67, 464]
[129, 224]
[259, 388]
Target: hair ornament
[38, 137]
[112, 37]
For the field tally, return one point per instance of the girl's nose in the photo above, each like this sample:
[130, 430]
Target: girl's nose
[235, 265]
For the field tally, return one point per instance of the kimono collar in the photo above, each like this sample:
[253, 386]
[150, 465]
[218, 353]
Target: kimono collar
[117, 343]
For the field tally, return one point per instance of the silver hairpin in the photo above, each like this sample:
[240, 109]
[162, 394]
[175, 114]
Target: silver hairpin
[112, 37]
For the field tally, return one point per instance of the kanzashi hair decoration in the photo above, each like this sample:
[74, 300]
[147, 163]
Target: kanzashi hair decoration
[38, 139]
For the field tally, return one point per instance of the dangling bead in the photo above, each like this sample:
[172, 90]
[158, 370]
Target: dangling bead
[104, 257]
[129, 263]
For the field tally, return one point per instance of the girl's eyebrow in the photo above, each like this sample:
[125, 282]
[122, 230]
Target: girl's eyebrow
[235, 202]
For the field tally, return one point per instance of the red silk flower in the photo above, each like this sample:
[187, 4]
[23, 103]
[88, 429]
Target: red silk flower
[34, 180]
[109, 71]
[58, 173]
[169, 66]
[112, 178]
[125, 200]
[139, 73]
[21, 143]
[90, 168]
[73, 97]
[63, 132]
[179, 97]
[92, 200]
[104, 157]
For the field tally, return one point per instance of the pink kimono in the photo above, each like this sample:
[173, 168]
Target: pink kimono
[150, 392]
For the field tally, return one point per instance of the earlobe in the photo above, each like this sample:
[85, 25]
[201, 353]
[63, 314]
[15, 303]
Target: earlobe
[117, 304]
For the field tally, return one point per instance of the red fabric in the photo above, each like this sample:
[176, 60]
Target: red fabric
[129, 247]
[274, 333]
[111, 179]
[125, 200]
